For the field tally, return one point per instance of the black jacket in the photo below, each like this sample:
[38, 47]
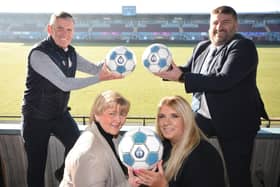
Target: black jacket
[231, 91]
[202, 168]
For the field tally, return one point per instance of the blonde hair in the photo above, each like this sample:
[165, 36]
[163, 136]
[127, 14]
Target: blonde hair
[106, 100]
[190, 138]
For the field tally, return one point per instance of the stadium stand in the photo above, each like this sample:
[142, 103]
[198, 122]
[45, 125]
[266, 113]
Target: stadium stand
[24, 27]
[273, 27]
[196, 28]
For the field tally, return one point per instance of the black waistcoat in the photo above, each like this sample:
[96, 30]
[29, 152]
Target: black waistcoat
[42, 99]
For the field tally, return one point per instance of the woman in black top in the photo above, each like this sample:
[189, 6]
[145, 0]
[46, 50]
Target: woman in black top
[189, 160]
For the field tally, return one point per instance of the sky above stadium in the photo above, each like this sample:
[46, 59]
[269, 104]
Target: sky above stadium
[142, 6]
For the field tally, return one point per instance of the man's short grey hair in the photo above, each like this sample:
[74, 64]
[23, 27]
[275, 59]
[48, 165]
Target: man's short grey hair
[62, 14]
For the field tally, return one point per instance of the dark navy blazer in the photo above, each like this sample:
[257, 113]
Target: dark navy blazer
[230, 88]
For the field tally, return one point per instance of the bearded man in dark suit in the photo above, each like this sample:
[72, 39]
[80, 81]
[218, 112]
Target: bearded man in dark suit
[221, 74]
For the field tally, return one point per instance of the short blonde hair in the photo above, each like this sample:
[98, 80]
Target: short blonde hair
[106, 100]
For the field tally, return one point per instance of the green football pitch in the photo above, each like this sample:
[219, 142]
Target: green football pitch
[143, 89]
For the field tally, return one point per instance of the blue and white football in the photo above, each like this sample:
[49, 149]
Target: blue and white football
[121, 60]
[140, 148]
[157, 58]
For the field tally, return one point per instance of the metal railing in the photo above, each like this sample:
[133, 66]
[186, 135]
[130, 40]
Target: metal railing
[135, 119]
[84, 119]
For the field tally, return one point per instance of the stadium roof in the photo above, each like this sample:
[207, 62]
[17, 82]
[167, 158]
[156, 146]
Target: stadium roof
[142, 7]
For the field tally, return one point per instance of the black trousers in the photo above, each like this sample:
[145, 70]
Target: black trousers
[36, 134]
[237, 153]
